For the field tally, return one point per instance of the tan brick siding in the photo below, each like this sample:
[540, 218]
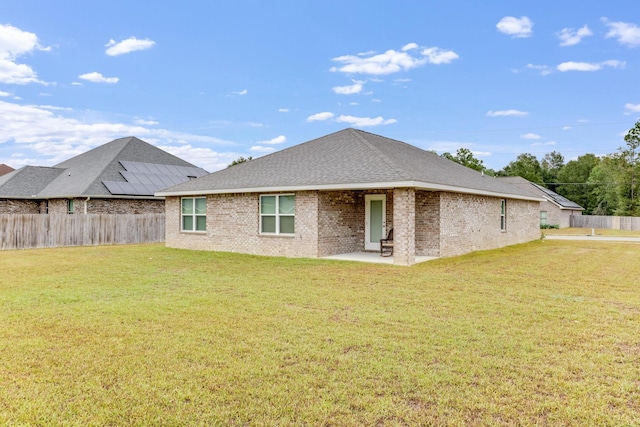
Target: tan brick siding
[94, 206]
[341, 216]
[470, 223]
[332, 222]
[12, 206]
[233, 226]
[428, 223]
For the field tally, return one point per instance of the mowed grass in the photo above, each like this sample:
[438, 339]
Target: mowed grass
[576, 231]
[546, 333]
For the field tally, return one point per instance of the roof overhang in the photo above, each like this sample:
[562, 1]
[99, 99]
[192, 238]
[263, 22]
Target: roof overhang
[353, 186]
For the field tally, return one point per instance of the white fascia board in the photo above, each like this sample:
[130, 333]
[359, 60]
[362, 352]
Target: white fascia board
[352, 186]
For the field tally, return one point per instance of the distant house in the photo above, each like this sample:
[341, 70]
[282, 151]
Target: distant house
[342, 193]
[555, 209]
[4, 169]
[118, 177]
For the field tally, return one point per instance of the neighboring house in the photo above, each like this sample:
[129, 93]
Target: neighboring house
[118, 177]
[4, 169]
[342, 193]
[556, 209]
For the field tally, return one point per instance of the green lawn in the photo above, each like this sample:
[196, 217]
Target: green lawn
[546, 333]
[574, 231]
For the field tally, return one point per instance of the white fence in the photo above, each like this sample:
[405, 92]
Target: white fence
[630, 223]
[23, 231]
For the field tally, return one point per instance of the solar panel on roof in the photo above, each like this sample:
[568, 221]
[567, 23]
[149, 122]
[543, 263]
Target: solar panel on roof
[145, 179]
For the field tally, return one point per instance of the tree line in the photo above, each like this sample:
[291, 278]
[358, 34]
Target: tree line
[602, 185]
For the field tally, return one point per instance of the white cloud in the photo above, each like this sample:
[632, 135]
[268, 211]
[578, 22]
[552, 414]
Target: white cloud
[438, 56]
[505, 113]
[589, 66]
[392, 61]
[2, 93]
[277, 140]
[631, 108]
[51, 134]
[365, 121]
[131, 44]
[539, 144]
[262, 149]
[626, 33]
[544, 70]
[241, 92]
[571, 37]
[356, 87]
[96, 77]
[530, 136]
[566, 127]
[409, 46]
[13, 44]
[145, 122]
[320, 116]
[206, 158]
[516, 27]
[283, 110]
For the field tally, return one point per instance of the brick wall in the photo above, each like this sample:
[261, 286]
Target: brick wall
[12, 206]
[94, 206]
[332, 222]
[470, 223]
[341, 217]
[233, 226]
[428, 223]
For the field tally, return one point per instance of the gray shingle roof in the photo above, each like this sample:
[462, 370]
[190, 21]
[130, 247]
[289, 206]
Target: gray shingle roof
[538, 190]
[349, 158]
[85, 175]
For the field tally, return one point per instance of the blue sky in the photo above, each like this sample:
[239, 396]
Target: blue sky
[210, 81]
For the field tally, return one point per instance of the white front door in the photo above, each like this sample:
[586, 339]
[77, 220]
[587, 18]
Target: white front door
[375, 221]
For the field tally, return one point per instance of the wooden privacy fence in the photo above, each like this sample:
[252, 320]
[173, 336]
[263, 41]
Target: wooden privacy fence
[24, 231]
[630, 223]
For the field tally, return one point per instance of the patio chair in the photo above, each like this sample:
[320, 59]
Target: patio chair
[386, 245]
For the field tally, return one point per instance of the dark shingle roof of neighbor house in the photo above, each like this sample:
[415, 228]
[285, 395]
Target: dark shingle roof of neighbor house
[348, 159]
[5, 169]
[125, 167]
[561, 201]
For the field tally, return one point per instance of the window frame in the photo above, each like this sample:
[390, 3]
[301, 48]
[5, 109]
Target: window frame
[71, 206]
[277, 215]
[194, 215]
[503, 215]
[544, 218]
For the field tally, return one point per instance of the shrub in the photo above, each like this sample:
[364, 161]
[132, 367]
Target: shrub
[548, 226]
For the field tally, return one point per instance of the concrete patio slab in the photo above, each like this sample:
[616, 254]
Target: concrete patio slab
[372, 257]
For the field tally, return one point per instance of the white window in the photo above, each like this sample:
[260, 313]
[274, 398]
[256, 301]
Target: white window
[194, 214]
[503, 215]
[543, 217]
[277, 214]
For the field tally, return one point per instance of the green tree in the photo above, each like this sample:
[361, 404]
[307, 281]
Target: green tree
[551, 165]
[628, 185]
[603, 186]
[465, 157]
[573, 181]
[239, 160]
[525, 165]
